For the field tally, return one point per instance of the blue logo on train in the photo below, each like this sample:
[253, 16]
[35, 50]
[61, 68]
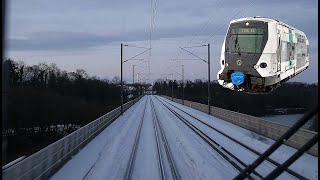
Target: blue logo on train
[237, 78]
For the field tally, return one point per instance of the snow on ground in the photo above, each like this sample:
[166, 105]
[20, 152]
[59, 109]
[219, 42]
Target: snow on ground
[107, 155]
[307, 165]
[146, 162]
[194, 158]
[242, 153]
[288, 119]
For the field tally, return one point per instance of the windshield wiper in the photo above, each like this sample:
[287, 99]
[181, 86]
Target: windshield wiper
[237, 46]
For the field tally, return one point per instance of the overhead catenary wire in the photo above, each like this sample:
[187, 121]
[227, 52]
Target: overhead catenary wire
[243, 8]
[131, 45]
[217, 30]
[192, 46]
[136, 56]
[202, 28]
[205, 25]
[170, 68]
[174, 70]
[152, 27]
[181, 48]
[194, 55]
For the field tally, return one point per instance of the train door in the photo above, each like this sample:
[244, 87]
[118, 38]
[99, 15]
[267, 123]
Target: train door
[279, 53]
[291, 50]
[302, 51]
[287, 51]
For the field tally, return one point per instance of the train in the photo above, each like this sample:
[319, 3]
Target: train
[259, 54]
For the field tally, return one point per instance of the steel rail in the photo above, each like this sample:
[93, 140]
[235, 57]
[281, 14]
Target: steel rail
[174, 171]
[156, 134]
[298, 176]
[130, 165]
[232, 159]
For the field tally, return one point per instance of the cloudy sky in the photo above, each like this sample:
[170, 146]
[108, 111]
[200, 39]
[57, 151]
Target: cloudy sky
[78, 34]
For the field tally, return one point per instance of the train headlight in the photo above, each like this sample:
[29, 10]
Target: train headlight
[256, 66]
[263, 65]
[227, 64]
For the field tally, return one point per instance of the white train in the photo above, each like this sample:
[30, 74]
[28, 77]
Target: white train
[258, 54]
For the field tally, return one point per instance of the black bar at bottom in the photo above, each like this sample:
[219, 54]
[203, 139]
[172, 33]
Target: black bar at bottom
[249, 169]
[275, 173]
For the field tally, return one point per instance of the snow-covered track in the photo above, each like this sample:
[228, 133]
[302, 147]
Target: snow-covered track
[169, 149]
[295, 174]
[158, 126]
[129, 170]
[156, 135]
[227, 155]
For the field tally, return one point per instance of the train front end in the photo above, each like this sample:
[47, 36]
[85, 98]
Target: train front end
[242, 49]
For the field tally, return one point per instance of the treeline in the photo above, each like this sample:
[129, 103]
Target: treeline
[300, 96]
[45, 103]
[42, 95]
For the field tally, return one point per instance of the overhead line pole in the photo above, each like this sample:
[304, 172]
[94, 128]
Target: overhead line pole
[182, 75]
[228, 22]
[133, 74]
[182, 84]
[209, 78]
[208, 62]
[172, 86]
[133, 79]
[121, 61]
[121, 73]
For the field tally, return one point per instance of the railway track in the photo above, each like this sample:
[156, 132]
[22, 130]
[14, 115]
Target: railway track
[274, 163]
[162, 146]
[130, 165]
[158, 129]
[227, 155]
[156, 135]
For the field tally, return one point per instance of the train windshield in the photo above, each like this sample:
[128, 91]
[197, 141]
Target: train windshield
[245, 40]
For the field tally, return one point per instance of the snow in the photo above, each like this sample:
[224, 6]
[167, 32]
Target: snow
[146, 162]
[307, 165]
[288, 119]
[107, 155]
[194, 158]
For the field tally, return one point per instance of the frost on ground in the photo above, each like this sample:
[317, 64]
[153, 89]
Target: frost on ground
[288, 119]
[107, 155]
[307, 165]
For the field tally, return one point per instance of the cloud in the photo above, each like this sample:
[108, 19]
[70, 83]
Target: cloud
[68, 40]
[53, 27]
[55, 41]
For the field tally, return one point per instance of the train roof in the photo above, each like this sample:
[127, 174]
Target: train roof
[265, 19]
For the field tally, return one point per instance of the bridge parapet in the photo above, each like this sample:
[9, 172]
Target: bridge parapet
[44, 163]
[264, 127]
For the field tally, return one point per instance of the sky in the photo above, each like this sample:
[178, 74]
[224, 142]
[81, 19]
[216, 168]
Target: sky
[78, 34]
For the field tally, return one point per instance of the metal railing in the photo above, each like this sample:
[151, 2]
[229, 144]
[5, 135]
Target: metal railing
[276, 172]
[44, 163]
[266, 128]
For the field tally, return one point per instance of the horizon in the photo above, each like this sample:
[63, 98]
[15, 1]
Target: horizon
[87, 35]
[126, 81]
